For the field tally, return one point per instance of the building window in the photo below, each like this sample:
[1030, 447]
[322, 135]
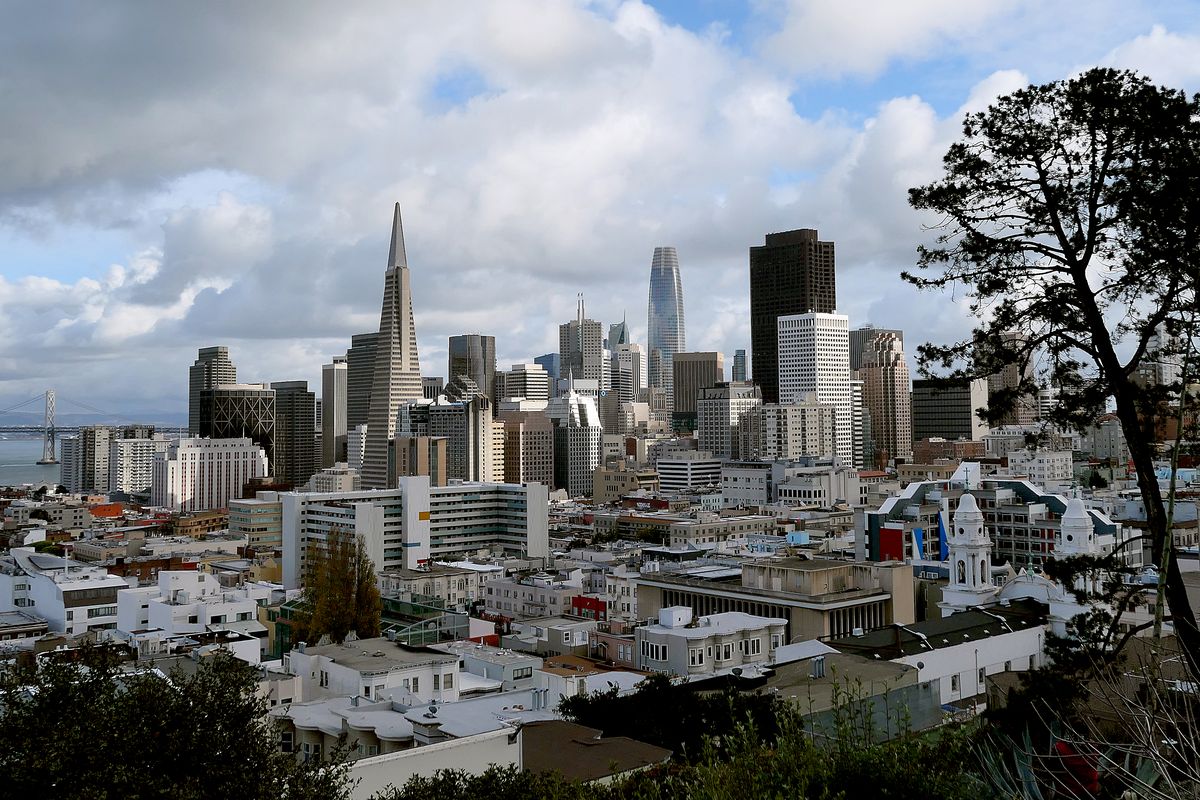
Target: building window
[416, 685]
[695, 656]
[448, 680]
[522, 672]
[285, 741]
[954, 683]
[726, 651]
[982, 675]
[437, 682]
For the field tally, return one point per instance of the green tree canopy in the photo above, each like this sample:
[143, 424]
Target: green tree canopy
[341, 591]
[1070, 212]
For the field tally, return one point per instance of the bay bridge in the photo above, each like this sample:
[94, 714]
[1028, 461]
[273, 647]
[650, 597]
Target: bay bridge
[48, 432]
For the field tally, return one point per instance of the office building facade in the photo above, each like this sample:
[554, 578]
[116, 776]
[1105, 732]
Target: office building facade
[792, 273]
[211, 369]
[814, 359]
[295, 458]
[728, 420]
[474, 356]
[693, 372]
[360, 375]
[333, 412]
[204, 474]
[948, 410]
[665, 330]
[232, 411]
[886, 395]
[397, 376]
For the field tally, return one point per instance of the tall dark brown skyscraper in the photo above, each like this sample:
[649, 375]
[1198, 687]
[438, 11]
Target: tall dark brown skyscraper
[791, 274]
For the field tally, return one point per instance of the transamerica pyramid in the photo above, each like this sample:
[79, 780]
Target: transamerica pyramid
[397, 370]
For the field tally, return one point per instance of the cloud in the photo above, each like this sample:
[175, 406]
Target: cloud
[245, 172]
[1170, 59]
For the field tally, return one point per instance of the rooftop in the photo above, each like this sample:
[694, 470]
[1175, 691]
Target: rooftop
[579, 753]
[378, 655]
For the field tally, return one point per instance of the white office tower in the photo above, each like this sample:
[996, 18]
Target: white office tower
[356, 447]
[887, 396]
[581, 350]
[131, 463]
[793, 430]
[528, 381]
[397, 375]
[333, 412]
[578, 437]
[203, 474]
[728, 420]
[814, 358]
[970, 560]
[629, 377]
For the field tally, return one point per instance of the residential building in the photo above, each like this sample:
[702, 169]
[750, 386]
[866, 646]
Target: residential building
[131, 464]
[183, 602]
[73, 598]
[512, 670]
[415, 523]
[334, 418]
[687, 646]
[212, 368]
[884, 373]
[457, 586]
[948, 410]
[813, 357]
[536, 595]
[1049, 468]
[474, 356]
[397, 375]
[338, 478]
[666, 332]
[203, 474]
[610, 485]
[375, 669]
[421, 455]
[791, 274]
[793, 430]
[728, 420]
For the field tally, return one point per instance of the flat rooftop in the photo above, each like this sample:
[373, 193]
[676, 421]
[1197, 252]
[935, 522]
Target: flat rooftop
[378, 655]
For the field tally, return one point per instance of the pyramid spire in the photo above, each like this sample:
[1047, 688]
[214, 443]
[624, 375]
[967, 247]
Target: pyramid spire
[396, 256]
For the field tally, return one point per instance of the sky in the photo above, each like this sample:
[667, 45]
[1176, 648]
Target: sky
[177, 175]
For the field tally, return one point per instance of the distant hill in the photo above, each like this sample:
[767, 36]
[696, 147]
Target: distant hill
[71, 419]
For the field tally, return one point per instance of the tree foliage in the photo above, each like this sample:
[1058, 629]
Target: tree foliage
[85, 729]
[1071, 214]
[341, 592]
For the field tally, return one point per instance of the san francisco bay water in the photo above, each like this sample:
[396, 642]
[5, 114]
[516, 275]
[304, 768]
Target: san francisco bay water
[18, 463]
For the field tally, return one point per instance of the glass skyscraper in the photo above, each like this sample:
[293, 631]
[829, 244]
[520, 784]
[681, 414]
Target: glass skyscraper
[664, 320]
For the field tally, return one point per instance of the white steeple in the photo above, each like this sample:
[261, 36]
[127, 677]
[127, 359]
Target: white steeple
[1076, 534]
[970, 560]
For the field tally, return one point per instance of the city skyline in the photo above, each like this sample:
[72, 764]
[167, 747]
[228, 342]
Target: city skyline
[126, 250]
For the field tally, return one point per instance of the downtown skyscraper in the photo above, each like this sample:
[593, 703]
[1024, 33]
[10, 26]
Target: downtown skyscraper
[664, 320]
[397, 375]
[791, 273]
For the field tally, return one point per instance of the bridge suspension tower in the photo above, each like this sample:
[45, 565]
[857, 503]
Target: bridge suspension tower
[49, 450]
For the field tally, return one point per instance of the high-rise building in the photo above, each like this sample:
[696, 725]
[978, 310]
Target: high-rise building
[131, 463]
[729, 420]
[862, 437]
[420, 455]
[474, 446]
[949, 410]
[814, 358]
[474, 356]
[581, 349]
[432, 387]
[618, 334]
[551, 363]
[739, 365]
[578, 436]
[397, 376]
[693, 372]
[294, 456]
[203, 474]
[792, 273]
[356, 447]
[333, 412]
[529, 381]
[1024, 409]
[861, 338]
[884, 373]
[794, 430]
[232, 411]
[360, 375]
[212, 368]
[629, 373]
[665, 334]
[528, 447]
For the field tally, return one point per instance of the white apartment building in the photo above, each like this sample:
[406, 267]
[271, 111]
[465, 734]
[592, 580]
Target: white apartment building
[814, 358]
[131, 463]
[458, 586]
[803, 428]
[1049, 468]
[820, 486]
[73, 598]
[538, 595]
[713, 644]
[415, 523]
[374, 669]
[203, 474]
[187, 601]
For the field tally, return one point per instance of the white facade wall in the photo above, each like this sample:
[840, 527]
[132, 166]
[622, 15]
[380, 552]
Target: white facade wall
[72, 601]
[186, 601]
[322, 675]
[131, 463]
[814, 357]
[474, 754]
[676, 474]
[203, 474]
[963, 668]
